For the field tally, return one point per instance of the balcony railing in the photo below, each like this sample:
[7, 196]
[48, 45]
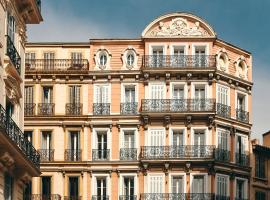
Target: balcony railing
[29, 109]
[101, 108]
[13, 54]
[45, 197]
[178, 105]
[100, 154]
[220, 197]
[177, 196]
[223, 110]
[56, 65]
[73, 155]
[222, 155]
[128, 154]
[73, 108]
[100, 197]
[46, 109]
[242, 115]
[46, 155]
[72, 198]
[242, 159]
[179, 61]
[128, 197]
[177, 152]
[130, 108]
[10, 128]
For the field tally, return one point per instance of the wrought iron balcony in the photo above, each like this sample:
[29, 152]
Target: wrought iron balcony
[128, 154]
[72, 198]
[177, 152]
[129, 108]
[73, 108]
[45, 197]
[46, 109]
[223, 110]
[128, 197]
[13, 54]
[178, 105]
[100, 154]
[46, 155]
[179, 61]
[14, 133]
[73, 155]
[100, 197]
[29, 109]
[177, 196]
[242, 115]
[101, 108]
[56, 65]
[222, 155]
[242, 159]
[220, 197]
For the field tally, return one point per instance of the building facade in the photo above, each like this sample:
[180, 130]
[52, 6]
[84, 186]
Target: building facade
[19, 161]
[165, 116]
[260, 162]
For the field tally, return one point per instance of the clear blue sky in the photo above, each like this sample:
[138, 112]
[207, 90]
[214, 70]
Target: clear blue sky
[245, 23]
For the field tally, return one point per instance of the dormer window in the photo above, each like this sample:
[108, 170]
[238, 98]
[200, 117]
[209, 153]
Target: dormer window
[241, 68]
[129, 58]
[102, 59]
[222, 61]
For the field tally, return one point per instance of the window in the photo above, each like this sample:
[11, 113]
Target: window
[28, 135]
[198, 184]
[260, 162]
[10, 108]
[260, 195]
[101, 189]
[27, 191]
[177, 184]
[28, 95]
[130, 58]
[30, 56]
[157, 91]
[241, 102]
[223, 139]
[222, 96]
[155, 184]
[177, 137]
[128, 187]
[222, 61]
[128, 144]
[199, 142]
[129, 139]
[241, 146]
[76, 59]
[47, 95]
[222, 185]
[101, 152]
[241, 190]
[178, 91]
[74, 94]
[200, 56]
[46, 140]
[130, 94]
[46, 186]
[156, 137]
[101, 94]
[74, 146]
[157, 57]
[73, 187]
[48, 60]
[8, 187]
[200, 95]
[11, 27]
[178, 59]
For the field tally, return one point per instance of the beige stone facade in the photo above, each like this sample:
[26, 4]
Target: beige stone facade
[165, 116]
[19, 161]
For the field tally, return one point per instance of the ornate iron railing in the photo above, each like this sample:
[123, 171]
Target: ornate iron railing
[130, 108]
[128, 154]
[177, 152]
[100, 154]
[73, 108]
[201, 196]
[221, 197]
[177, 196]
[56, 65]
[73, 155]
[13, 54]
[72, 198]
[222, 155]
[46, 109]
[100, 197]
[179, 61]
[242, 115]
[45, 197]
[46, 155]
[128, 197]
[178, 105]
[223, 110]
[101, 108]
[10, 128]
[29, 109]
[242, 159]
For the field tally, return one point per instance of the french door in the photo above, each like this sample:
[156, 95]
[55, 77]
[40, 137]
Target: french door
[158, 59]
[199, 143]
[101, 188]
[102, 145]
[200, 57]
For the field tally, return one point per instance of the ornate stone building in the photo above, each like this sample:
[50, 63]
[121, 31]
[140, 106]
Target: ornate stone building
[19, 161]
[164, 116]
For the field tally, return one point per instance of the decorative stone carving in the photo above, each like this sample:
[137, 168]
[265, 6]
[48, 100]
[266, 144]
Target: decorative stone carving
[130, 58]
[188, 121]
[179, 27]
[241, 67]
[7, 159]
[222, 60]
[167, 121]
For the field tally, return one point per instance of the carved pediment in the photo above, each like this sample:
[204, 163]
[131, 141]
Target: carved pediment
[178, 25]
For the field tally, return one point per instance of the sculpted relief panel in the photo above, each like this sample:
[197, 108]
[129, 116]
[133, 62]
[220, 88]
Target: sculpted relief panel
[178, 27]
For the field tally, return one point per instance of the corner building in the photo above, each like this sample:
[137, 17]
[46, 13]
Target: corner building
[165, 116]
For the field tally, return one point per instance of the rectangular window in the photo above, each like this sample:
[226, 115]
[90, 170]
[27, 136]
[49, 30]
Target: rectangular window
[223, 139]
[101, 187]
[10, 108]
[260, 162]
[28, 95]
[130, 95]
[27, 191]
[222, 96]
[240, 189]
[28, 135]
[46, 186]
[11, 27]
[47, 95]
[178, 59]
[222, 185]
[157, 56]
[101, 94]
[200, 56]
[76, 59]
[48, 60]
[129, 139]
[178, 91]
[30, 56]
[128, 187]
[157, 91]
[74, 94]
[198, 184]
[241, 102]
[156, 184]
[260, 195]
[46, 140]
[177, 183]
[73, 187]
[156, 137]
[8, 187]
[177, 137]
[102, 145]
